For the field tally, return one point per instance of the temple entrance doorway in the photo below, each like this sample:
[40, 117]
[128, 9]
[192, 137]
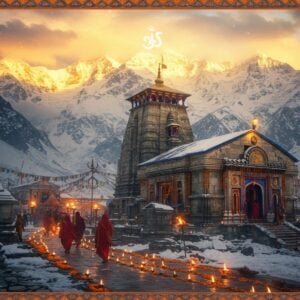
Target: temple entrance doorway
[254, 202]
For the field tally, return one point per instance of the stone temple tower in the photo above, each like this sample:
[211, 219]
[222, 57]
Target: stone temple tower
[158, 121]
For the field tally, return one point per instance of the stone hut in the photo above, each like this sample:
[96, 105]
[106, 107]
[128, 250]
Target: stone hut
[157, 218]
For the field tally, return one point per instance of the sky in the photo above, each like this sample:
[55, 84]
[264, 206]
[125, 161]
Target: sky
[57, 38]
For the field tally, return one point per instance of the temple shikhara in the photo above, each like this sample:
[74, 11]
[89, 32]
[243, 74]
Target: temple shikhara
[236, 177]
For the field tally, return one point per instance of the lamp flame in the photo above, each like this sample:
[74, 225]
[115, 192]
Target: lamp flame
[252, 289]
[189, 277]
[213, 279]
[87, 272]
[101, 283]
[268, 290]
[180, 221]
[225, 268]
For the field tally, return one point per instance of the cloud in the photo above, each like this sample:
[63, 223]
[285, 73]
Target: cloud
[241, 25]
[17, 32]
[295, 16]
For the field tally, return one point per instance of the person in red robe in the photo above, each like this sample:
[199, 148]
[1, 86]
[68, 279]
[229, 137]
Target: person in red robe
[103, 237]
[79, 228]
[255, 210]
[47, 222]
[67, 233]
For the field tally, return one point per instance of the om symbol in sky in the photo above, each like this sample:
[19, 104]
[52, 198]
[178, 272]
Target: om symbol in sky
[153, 40]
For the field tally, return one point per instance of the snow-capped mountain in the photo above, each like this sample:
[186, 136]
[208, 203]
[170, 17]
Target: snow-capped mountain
[24, 147]
[83, 72]
[83, 111]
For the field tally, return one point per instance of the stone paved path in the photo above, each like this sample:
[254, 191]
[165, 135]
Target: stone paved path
[117, 277]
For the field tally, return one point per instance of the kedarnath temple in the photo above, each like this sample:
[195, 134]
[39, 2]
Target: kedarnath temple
[236, 177]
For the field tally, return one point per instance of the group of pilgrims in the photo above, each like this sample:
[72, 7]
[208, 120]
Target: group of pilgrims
[70, 232]
[73, 232]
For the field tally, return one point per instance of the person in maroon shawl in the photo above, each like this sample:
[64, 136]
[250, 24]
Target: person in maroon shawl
[79, 228]
[47, 222]
[67, 233]
[255, 210]
[103, 237]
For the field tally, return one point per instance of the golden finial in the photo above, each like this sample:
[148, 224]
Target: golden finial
[159, 80]
[254, 123]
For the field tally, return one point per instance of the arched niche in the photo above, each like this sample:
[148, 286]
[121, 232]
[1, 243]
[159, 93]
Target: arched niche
[256, 156]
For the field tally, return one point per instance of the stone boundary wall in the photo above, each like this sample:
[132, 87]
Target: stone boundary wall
[147, 296]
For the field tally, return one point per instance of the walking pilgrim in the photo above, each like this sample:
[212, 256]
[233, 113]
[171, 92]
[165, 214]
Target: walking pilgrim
[67, 233]
[79, 228]
[103, 238]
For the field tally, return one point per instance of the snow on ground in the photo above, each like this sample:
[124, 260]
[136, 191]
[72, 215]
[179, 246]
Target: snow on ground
[133, 247]
[14, 249]
[40, 271]
[281, 263]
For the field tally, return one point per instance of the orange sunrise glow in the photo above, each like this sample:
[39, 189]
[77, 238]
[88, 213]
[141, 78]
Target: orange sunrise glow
[56, 39]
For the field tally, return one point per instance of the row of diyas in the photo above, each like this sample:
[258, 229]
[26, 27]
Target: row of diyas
[164, 270]
[36, 241]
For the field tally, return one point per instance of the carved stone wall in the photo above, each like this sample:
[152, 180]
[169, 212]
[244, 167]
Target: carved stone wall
[227, 176]
[145, 137]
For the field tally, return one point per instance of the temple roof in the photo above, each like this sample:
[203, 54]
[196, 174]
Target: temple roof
[203, 146]
[5, 195]
[164, 88]
[160, 87]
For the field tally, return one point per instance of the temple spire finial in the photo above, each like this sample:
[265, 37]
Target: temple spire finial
[159, 80]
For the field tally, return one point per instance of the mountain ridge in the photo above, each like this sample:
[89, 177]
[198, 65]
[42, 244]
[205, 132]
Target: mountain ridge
[85, 120]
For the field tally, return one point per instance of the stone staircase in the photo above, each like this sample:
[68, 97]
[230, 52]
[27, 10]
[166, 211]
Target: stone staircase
[290, 236]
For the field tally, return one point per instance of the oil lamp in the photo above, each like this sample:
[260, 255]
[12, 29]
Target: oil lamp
[87, 273]
[118, 259]
[269, 290]
[225, 268]
[152, 269]
[101, 284]
[174, 274]
[225, 271]
[131, 263]
[189, 277]
[252, 289]
[213, 279]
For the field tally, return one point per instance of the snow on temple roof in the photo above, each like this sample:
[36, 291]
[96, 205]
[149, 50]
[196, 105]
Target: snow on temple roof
[5, 195]
[158, 206]
[203, 146]
[195, 147]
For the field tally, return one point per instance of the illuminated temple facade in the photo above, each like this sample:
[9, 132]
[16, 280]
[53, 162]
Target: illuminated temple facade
[236, 177]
